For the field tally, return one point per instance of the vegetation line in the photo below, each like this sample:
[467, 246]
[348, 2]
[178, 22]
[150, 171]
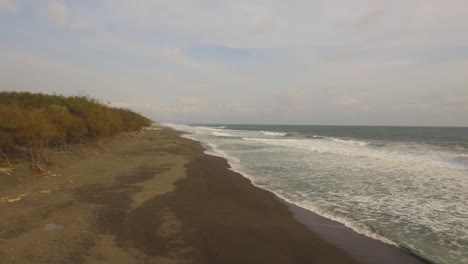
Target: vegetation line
[34, 123]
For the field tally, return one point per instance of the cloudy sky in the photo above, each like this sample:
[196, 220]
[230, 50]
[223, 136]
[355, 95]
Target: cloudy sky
[368, 62]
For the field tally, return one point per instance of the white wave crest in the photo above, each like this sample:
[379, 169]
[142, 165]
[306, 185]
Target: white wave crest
[222, 134]
[361, 149]
[212, 149]
[350, 142]
[274, 134]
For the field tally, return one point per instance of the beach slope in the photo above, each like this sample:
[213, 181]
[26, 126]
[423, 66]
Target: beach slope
[150, 197]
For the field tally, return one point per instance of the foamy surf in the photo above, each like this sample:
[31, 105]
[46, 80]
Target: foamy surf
[350, 142]
[274, 134]
[354, 149]
[410, 193]
[222, 134]
[236, 166]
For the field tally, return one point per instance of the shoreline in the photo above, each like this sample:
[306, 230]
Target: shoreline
[362, 248]
[152, 197]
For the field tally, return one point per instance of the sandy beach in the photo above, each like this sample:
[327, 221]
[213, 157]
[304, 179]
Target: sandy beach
[155, 197]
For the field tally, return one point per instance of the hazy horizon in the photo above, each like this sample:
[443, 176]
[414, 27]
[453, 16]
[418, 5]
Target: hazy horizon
[365, 62]
[330, 125]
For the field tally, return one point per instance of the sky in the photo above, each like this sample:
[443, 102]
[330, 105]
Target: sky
[325, 62]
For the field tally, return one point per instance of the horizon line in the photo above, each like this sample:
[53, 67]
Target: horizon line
[341, 125]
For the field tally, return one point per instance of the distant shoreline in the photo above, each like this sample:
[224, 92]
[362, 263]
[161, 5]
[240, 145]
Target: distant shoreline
[323, 125]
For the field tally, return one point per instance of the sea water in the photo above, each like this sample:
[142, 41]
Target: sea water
[406, 186]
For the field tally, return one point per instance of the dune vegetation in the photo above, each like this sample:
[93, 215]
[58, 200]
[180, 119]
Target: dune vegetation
[32, 124]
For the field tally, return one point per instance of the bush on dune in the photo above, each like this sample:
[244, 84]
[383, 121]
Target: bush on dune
[33, 122]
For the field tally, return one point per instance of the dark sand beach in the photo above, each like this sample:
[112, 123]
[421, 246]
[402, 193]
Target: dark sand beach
[154, 197]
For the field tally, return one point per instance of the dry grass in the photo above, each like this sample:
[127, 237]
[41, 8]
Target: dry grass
[35, 123]
[6, 170]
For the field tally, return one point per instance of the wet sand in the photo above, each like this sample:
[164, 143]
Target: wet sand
[362, 248]
[151, 197]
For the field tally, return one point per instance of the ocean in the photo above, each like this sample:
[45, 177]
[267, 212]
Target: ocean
[406, 186]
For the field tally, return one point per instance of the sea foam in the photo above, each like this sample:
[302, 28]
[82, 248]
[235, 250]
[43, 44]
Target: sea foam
[405, 193]
[222, 134]
[274, 134]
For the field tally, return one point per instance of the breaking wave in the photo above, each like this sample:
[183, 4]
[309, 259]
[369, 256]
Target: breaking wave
[222, 134]
[274, 134]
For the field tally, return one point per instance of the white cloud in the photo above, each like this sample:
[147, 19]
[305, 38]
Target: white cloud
[82, 24]
[173, 54]
[190, 105]
[239, 108]
[347, 101]
[266, 24]
[105, 40]
[352, 103]
[191, 101]
[291, 100]
[8, 6]
[328, 59]
[69, 78]
[57, 13]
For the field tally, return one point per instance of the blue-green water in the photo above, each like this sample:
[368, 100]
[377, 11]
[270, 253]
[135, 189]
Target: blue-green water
[406, 186]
